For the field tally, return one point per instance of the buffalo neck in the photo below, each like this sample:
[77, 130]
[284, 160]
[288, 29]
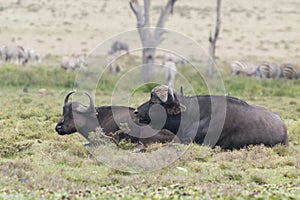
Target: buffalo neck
[91, 124]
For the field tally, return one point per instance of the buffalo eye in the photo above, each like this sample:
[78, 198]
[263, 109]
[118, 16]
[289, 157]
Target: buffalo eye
[151, 103]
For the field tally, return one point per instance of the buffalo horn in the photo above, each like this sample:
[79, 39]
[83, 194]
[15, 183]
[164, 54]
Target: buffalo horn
[92, 104]
[170, 94]
[67, 96]
[91, 107]
[181, 91]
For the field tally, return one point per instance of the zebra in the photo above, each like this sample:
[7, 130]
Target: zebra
[112, 64]
[243, 67]
[33, 56]
[72, 63]
[267, 70]
[289, 71]
[14, 54]
[169, 71]
[174, 58]
[119, 46]
[3, 52]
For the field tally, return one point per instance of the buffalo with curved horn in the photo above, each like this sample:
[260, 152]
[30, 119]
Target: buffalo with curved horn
[85, 119]
[222, 121]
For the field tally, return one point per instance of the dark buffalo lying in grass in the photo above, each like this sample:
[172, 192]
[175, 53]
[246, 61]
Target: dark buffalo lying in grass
[79, 118]
[228, 122]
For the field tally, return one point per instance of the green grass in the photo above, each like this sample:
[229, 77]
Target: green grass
[35, 76]
[37, 163]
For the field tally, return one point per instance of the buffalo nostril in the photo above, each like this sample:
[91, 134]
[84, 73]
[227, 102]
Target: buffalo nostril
[135, 111]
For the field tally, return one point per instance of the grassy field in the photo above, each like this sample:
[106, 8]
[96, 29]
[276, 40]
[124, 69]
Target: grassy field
[38, 163]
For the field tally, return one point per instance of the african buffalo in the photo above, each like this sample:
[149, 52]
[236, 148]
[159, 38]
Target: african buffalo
[79, 118]
[212, 120]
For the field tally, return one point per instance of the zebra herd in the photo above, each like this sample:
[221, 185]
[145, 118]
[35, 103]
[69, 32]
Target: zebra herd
[19, 55]
[265, 70]
[261, 70]
[117, 47]
[81, 60]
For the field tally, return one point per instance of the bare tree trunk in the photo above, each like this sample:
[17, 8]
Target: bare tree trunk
[213, 40]
[149, 40]
[148, 63]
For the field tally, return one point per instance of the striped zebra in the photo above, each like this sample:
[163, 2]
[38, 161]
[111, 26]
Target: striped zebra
[169, 71]
[14, 54]
[289, 71]
[243, 67]
[112, 65]
[79, 61]
[173, 58]
[3, 51]
[32, 56]
[268, 70]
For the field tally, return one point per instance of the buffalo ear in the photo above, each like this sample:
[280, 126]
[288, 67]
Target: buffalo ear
[182, 107]
[176, 109]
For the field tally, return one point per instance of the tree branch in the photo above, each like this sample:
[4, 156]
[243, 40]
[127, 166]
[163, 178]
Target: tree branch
[162, 18]
[210, 38]
[218, 23]
[136, 9]
[164, 13]
[146, 12]
[142, 23]
[213, 40]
